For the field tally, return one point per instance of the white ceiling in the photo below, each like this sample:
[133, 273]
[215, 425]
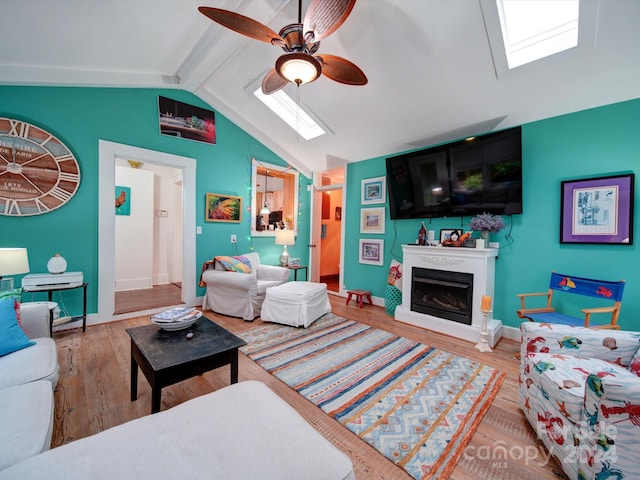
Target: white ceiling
[432, 75]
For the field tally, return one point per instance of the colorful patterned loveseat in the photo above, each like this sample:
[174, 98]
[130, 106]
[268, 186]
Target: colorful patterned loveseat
[580, 390]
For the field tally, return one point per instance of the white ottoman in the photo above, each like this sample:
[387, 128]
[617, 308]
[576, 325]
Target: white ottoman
[298, 304]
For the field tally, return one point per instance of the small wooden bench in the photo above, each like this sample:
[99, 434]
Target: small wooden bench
[603, 289]
[360, 294]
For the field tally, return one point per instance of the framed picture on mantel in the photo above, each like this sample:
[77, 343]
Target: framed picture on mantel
[597, 210]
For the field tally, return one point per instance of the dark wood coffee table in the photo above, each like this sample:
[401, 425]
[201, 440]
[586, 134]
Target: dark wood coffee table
[166, 357]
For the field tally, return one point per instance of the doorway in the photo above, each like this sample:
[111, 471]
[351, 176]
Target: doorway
[327, 230]
[109, 152]
[148, 236]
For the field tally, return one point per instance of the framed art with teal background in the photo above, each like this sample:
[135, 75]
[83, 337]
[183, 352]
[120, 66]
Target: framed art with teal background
[123, 200]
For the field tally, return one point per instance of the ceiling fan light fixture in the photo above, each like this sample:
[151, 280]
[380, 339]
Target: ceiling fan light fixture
[298, 68]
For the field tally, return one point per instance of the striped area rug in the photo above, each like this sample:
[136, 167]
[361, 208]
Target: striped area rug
[416, 405]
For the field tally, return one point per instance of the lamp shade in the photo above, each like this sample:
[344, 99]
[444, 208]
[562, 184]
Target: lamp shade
[13, 261]
[285, 237]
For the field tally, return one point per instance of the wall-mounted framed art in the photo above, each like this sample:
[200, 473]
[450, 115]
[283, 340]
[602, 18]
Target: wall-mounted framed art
[373, 190]
[371, 251]
[597, 210]
[372, 220]
[223, 208]
[123, 200]
[182, 120]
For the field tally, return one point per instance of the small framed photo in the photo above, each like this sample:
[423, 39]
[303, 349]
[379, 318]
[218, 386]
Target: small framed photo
[372, 220]
[597, 210]
[223, 208]
[371, 251]
[446, 233]
[373, 190]
[294, 262]
[123, 200]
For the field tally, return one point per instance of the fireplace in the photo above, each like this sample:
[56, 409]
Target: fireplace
[457, 278]
[442, 293]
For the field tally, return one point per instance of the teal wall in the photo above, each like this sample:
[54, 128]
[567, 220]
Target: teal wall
[590, 143]
[80, 117]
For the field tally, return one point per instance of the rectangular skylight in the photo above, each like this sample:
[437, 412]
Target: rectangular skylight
[284, 106]
[534, 29]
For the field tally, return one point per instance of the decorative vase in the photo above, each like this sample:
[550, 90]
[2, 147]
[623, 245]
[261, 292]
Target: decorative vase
[486, 236]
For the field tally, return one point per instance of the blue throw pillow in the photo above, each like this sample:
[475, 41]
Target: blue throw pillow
[12, 337]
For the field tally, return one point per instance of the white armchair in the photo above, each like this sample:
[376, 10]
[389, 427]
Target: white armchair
[240, 294]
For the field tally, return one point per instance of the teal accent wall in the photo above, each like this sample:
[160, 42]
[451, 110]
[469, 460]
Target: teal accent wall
[585, 144]
[80, 117]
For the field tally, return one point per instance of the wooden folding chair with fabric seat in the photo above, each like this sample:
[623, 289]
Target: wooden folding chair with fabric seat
[603, 289]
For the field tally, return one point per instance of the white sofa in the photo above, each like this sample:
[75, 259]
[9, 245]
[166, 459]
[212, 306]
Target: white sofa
[27, 379]
[244, 431]
[240, 294]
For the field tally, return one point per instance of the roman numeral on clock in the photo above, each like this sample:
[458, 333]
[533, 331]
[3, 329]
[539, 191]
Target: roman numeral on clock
[69, 177]
[12, 207]
[60, 194]
[19, 129]
[42, 208]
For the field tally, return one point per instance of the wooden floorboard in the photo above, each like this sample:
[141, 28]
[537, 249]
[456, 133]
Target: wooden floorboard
[147, 298]
[93, 395]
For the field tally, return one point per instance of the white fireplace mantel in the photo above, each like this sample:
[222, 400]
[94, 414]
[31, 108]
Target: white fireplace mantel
[477, 261]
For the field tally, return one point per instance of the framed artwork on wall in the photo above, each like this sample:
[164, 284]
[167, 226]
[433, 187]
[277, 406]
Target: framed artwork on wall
[223, 208]
[373, 190]
[182, 120]
[123, 200]
[371, 251]
[372, 220]
[597, 210]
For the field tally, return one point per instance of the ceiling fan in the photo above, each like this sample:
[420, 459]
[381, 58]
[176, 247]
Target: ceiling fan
[300, 41]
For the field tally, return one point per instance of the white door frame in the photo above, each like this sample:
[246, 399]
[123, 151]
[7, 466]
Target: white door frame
[315, 228]
[108, 151]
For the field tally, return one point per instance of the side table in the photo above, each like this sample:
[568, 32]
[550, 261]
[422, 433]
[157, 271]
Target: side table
[295, 269]
[53, 288]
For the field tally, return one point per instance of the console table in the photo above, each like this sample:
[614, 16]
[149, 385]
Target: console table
[55, 288]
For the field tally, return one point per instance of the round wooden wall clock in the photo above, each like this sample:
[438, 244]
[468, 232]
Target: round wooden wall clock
[38, 173]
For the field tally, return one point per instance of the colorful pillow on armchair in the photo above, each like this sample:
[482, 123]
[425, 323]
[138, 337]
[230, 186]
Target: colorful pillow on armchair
[234, 264]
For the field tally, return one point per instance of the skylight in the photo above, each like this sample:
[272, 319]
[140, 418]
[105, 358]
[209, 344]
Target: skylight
[284, 106]
[534, 29]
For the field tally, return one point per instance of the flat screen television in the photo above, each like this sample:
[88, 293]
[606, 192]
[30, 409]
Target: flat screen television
[463, 178]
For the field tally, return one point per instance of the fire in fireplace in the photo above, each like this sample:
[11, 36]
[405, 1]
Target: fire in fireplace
[442, 294]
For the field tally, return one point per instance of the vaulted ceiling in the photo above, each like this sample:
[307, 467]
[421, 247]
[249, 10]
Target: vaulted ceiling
[432, 73]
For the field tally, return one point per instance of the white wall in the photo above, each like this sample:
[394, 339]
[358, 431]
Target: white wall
[134, 233]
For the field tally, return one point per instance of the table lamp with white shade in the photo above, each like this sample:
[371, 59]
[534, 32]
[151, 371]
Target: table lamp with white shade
[13, 261]
[285, 237]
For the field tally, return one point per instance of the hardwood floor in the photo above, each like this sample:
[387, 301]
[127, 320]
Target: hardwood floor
[93, 395]
[148, 298]
[332, 281]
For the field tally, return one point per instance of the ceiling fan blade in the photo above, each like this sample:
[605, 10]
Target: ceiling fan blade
[324, 17]
[241, 24]
[342, 70]
[272, 82]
